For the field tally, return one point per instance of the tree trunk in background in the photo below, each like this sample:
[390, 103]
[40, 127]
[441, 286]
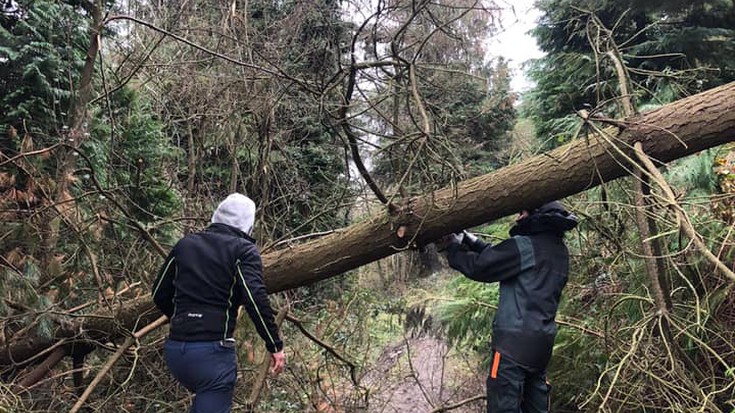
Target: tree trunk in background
[77, 134]
[191, 160]
[670, 132]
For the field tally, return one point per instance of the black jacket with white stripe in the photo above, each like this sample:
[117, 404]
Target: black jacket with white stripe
[205, 279]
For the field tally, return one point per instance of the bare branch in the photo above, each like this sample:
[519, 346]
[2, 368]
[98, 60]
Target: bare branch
[325, 346]
[670, 200]
[442, 409]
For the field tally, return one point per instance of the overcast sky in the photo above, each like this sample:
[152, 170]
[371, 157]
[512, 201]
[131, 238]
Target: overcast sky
[513, 42]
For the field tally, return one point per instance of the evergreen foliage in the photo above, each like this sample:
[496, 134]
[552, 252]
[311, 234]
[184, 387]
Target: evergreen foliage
[670, 49]
[41, 55]
[467, 318]
[136, 154]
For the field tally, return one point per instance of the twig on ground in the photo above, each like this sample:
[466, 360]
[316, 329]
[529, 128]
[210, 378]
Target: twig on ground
[442, 409]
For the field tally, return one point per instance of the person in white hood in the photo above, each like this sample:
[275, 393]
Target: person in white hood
[205, 279]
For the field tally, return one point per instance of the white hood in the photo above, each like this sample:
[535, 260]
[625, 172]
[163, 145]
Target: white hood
[237, 211]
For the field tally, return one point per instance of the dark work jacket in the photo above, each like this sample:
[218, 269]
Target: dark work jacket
[532, 268]
[205, 279]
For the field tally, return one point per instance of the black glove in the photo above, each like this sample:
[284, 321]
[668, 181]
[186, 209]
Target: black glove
[469, 238]
[473, 243]
[450, 240]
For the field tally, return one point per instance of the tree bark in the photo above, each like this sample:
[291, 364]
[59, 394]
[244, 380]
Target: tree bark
[670, 132]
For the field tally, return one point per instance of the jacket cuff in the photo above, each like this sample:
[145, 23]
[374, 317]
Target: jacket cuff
[453, 247]
[274, 349]
[477, 245]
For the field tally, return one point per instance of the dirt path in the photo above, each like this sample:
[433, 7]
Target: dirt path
[420, 375]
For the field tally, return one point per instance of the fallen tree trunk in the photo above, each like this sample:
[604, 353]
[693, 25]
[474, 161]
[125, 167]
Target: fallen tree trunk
[670, 132]
[681, 128]
[103, 326]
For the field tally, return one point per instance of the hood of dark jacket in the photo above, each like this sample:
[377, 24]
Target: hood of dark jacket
[550, 218]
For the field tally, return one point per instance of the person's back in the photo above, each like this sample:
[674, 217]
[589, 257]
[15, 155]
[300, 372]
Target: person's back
[206, 278]
[524, 327]
[532, 268]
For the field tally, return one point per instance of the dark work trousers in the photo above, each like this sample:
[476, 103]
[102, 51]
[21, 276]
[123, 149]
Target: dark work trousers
[512, 388]
[206, 368]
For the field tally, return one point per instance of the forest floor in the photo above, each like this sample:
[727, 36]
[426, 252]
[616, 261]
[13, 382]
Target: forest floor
[420, 375]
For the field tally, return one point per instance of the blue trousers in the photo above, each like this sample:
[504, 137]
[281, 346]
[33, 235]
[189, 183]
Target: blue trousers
[513, 388]
[206, 368]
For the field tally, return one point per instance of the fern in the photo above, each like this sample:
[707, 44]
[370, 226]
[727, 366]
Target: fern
[467, 317]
